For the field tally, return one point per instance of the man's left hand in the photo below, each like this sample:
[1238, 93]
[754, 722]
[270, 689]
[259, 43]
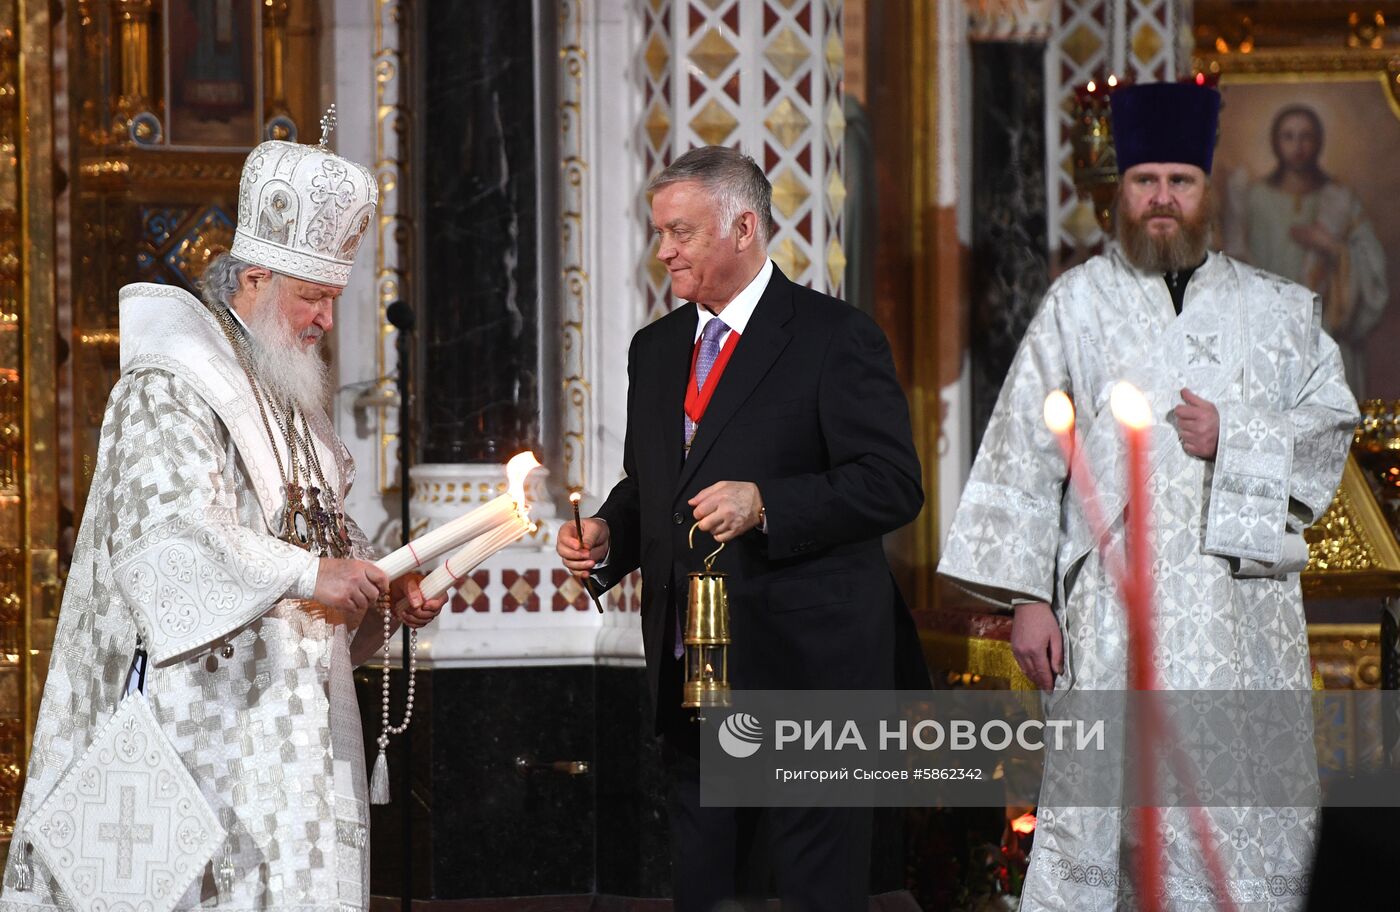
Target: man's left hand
[727, 509]
[1198, 425]
[416, 610]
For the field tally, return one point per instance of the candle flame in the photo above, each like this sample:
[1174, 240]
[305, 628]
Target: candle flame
[1112, 80]
[1130, 406]
[1025, 824]
[1091, 87]
[1059, 412]
[575, 497]
[517, 470]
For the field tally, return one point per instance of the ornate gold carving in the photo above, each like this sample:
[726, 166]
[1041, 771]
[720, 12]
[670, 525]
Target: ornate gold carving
[190, 168]
[1353, 552]
[1346, 656]
[211, 235]
[28, 483]
[577, 285]
[277, 118]
[392, 145]
[967, 660]
[134, 18]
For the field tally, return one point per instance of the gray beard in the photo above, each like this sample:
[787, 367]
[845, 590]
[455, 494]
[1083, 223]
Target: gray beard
[288, 371]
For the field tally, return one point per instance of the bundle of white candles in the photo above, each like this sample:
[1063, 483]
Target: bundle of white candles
[456, 567]
[509, 511]
[485, 530]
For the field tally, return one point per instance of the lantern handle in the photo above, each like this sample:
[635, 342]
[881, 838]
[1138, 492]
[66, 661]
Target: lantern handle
[710, 558]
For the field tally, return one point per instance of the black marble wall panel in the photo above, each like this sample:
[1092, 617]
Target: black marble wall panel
[1010, 262]
[482, 829]
[479, 309]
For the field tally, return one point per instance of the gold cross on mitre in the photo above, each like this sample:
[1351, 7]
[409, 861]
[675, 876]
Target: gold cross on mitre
[327, 125]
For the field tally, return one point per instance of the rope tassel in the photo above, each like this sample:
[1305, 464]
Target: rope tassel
[379, 780]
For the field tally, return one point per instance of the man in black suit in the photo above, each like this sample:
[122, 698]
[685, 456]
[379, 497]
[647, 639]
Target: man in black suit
[770, 414]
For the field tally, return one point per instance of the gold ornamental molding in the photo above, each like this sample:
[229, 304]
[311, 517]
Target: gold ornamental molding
[393, 254]
[1346, 656]
[1353, 551]
[176, 168]
[28, 430]
[577, 284]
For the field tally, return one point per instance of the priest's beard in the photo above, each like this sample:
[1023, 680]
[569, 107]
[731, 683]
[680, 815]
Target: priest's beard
[1184, 249]
[286, 368]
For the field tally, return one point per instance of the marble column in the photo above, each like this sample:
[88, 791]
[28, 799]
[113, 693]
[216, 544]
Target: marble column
[527, 305]
[1010, 266]
[479, 306]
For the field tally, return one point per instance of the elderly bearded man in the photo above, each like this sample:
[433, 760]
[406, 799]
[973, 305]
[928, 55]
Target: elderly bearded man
[218, 582]
[1252, 423]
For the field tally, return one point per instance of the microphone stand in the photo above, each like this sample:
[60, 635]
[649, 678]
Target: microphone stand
[400, 316]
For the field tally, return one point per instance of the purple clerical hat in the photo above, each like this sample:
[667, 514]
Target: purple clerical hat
[1165, 122]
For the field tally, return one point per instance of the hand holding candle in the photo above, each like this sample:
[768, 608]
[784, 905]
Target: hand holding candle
[574, 499]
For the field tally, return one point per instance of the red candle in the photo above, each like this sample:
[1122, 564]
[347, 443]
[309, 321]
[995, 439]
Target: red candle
[1059, 417]
[1136, 590]
[1133, 412]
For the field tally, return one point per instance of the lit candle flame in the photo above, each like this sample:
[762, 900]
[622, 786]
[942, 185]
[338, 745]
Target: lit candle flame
[1059, 412]
[517, 470]
[1092, 87]
[575, 497]
[1130, 406]
[1112, 80]
[1025, 824]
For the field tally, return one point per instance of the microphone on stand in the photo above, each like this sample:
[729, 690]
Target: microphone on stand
[400, 316]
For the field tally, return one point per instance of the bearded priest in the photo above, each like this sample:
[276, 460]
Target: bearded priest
[1252, 419]
[199, 741]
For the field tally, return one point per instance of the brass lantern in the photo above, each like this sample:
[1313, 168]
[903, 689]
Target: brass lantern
[706, 636]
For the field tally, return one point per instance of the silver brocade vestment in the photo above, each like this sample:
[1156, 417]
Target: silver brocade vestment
[1227, 534]
[177, 545]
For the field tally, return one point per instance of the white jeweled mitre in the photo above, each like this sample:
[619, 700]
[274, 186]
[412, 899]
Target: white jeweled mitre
[303, 210]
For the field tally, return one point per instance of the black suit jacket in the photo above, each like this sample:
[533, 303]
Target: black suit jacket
[810, 410]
